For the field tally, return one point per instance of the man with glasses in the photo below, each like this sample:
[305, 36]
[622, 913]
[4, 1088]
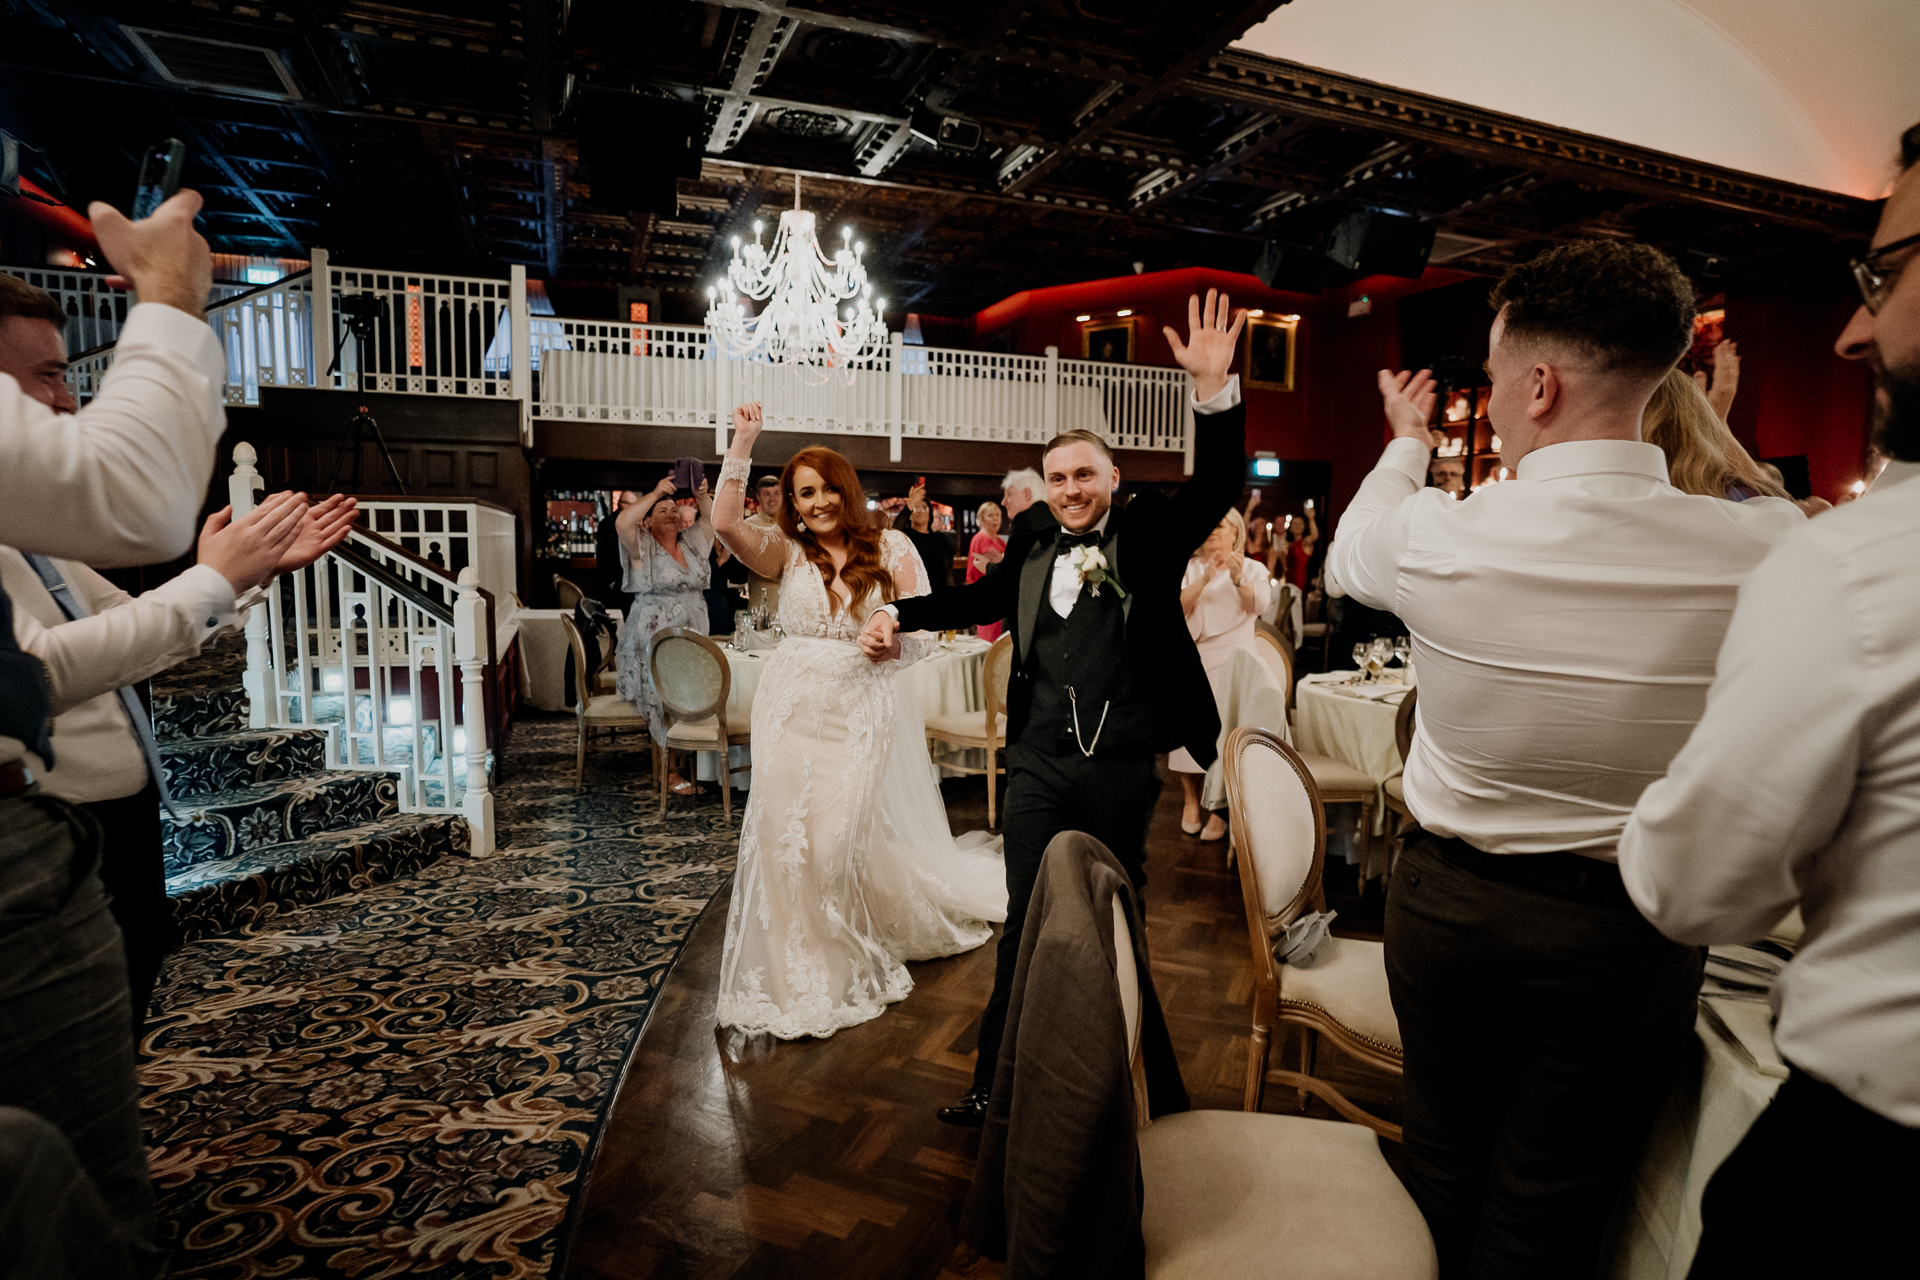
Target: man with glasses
[1801, 786]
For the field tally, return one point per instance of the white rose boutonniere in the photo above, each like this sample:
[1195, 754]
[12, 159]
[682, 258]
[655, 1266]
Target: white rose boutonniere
[1091, 564]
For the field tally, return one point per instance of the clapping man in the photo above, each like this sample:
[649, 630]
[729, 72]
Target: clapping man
[1801, 786]
[1564, 625]
[1105, 673]
[119, 483]
[96, 642]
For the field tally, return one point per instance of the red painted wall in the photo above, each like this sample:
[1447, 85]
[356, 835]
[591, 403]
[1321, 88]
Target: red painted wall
[1796, 395]
[1333, 413]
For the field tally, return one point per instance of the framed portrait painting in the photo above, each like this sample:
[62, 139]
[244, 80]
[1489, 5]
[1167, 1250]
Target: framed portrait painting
[1269, 353]
[1108, 341]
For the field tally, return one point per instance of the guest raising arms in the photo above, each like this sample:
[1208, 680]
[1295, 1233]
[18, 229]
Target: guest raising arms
[1222, 594]
[666, 570]
[987, 549]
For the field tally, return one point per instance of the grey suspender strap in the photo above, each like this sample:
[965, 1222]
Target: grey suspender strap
[75, 609]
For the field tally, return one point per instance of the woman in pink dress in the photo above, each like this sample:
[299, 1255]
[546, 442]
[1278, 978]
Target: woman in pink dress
[1223, 594]
[983, 553]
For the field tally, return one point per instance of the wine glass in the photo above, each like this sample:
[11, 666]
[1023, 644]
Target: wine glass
[1360, 656]
[1377, 654]
[1402, 646]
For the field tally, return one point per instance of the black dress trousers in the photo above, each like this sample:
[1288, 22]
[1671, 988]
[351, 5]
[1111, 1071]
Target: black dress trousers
[1543, 1019]
[1110, 797]
[133, 870]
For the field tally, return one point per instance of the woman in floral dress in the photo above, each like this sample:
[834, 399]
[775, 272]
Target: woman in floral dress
[665, 567]
[848, 868]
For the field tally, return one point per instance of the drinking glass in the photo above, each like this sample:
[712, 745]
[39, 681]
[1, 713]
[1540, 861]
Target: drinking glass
[1360, 656]
[1402, 646]
[1377, 654]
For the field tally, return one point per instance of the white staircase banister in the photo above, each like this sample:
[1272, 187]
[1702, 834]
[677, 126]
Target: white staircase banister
[471, 642]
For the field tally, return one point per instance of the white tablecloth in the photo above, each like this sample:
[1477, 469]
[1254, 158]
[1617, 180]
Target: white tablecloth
[1355, 730]
[543, 656]
[1701, 1121]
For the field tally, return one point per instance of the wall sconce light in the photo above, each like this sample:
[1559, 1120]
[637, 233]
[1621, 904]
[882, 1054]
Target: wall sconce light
[1857, 488]
[1256, 313]
[1124, 311]
[1082, 319]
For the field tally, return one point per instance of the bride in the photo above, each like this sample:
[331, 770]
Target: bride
[847, 865]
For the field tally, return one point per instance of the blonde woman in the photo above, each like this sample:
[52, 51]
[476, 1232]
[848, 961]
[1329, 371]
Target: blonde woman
[1222, 594]
[1702, 455]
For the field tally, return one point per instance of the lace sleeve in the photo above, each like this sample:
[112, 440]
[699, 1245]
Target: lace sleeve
[909, 579]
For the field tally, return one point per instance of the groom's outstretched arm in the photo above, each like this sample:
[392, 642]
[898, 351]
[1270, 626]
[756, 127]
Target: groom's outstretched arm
[1219, 427]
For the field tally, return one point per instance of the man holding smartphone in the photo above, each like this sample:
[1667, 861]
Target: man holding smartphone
[118, 483]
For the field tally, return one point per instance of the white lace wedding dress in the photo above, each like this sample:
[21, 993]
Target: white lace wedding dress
[847, 867]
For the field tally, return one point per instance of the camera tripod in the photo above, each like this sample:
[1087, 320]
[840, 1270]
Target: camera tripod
[362, 313]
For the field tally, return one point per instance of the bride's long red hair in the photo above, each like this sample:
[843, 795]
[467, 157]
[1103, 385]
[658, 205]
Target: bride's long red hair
[864, 572]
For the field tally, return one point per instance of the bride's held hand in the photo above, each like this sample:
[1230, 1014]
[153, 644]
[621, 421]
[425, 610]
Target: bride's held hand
[880, 638]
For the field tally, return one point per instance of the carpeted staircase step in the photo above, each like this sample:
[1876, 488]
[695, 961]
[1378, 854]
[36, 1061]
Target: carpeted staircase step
[219, 897]
[206, 766]
[226, 824]
[203, 694]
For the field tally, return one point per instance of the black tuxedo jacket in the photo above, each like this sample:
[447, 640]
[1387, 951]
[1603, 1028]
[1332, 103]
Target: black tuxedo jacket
[1148, 547]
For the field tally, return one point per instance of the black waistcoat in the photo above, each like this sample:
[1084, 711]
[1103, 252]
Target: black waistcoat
[1086, 651]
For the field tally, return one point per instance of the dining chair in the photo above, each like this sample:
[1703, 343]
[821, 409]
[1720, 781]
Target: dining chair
[1252, 1196]
[593, 711]
[1274, 650]
[1342, 994]
[691, 679]
[568, 592]
[981, 730]
[1394, 790]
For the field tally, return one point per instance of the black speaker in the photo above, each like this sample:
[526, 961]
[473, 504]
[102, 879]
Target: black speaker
[1294, 267]
[634, 147]
[1372, 243]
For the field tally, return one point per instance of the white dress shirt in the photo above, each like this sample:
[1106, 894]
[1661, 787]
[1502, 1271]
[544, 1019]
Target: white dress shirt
[1064, 587]
[127, 640]
[1801, 784]
[1564, 625]
[120, 482]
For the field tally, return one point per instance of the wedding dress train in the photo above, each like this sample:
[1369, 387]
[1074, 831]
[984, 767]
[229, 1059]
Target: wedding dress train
[847, 865]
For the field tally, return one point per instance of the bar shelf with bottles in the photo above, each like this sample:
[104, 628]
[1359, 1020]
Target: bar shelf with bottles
[571, 532]
[1469, 436]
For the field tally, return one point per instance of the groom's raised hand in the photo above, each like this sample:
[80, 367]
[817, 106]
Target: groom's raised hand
[880, 638]
[1212, 334]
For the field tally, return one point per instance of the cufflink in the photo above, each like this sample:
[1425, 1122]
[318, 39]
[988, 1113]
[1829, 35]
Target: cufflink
[213, 622]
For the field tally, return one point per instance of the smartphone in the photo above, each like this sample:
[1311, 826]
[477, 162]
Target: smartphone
[1309, 504]
[160, 166]
[921, 481]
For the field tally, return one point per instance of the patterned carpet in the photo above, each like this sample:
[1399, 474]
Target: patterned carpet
[409, 1081]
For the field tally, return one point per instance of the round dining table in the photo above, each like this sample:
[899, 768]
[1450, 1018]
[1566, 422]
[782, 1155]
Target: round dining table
[1337, 715]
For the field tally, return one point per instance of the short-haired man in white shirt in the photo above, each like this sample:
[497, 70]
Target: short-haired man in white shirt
[1564, 626]
[1801, 786]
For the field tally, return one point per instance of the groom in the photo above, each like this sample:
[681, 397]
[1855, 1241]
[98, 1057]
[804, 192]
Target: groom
[1104, 672]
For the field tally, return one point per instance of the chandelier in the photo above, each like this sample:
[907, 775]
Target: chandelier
[820, 312]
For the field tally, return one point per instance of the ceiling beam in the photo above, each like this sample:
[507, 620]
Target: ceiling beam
[1269, 84]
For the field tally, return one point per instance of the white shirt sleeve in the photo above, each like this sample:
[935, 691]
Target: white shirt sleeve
[120, 482]
[1364, 561]
[1221, 401]
[1764, 782]
[130, 641]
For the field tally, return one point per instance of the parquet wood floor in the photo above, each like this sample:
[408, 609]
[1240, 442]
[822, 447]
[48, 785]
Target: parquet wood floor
[732, 1156]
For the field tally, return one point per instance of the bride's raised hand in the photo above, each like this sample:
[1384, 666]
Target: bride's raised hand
[747, 424]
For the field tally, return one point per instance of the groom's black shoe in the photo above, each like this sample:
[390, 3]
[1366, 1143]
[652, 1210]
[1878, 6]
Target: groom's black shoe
[969, 1113]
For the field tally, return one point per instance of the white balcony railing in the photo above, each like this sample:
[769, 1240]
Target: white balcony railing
[442, 335]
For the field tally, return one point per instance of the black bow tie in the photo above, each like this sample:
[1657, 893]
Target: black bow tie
[1064, 541]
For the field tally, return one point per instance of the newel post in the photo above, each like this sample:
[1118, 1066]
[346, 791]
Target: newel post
[258, 680]
[470, 650]
[520, 354]
[896, 393]
[1050, 400]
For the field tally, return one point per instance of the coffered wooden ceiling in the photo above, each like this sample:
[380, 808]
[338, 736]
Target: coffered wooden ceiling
[441, 135]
